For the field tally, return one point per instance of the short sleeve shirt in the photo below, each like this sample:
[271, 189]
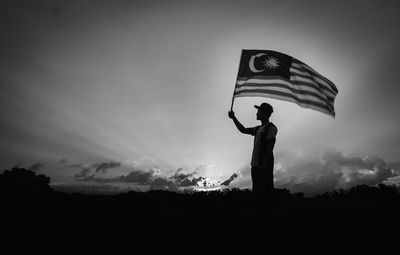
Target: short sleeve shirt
[262, 135]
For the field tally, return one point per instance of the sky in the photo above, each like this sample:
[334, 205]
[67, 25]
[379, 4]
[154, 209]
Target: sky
[108, 96]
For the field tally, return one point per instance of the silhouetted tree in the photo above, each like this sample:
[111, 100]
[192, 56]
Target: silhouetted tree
[363, 192]
[23, 181]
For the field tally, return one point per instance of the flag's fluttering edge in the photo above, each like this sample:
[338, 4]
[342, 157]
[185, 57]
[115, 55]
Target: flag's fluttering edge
[266, 73]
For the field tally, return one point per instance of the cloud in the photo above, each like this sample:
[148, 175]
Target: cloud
[137, 176]
[88, 188]
[88, 172]
[312, 175]
[141, 163]
[84, 173]
[395, 166]
[393, 181]
[207, 183]
[370, 170]
[228, 181]
[36, 166]
[76, 165]
[104, 166]
[153, 179]
[163, 184]
[191, 182]
[62, 161]
[17, 165]
[182, 179]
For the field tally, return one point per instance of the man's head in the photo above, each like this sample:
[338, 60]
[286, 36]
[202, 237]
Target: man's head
[264, 111]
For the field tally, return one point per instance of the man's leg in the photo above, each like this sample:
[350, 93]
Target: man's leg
[257, 189]
[270, 180]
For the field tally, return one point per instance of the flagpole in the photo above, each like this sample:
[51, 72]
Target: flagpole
[233, 96]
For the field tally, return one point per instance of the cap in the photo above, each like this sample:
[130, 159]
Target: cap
[265, 107]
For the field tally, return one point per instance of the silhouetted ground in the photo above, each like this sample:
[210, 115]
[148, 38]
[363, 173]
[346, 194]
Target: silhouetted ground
[363, 211]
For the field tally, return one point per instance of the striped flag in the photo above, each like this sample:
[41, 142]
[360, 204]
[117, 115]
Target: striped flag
[266, 73]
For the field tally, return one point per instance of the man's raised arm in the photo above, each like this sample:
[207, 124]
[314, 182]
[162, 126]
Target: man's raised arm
[239, 125]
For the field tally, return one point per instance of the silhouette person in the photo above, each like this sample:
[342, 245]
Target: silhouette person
[262, 161]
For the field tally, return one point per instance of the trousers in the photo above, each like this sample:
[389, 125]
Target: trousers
[262, 177]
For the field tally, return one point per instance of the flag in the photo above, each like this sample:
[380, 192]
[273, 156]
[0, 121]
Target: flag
[267, 73]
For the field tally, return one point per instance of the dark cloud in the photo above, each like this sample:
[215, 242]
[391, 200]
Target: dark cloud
[16, 165]
[36, 166]
[137, 176]
[393, 181]
[228, 181]
[76, 165]
[90, 188]
[104, 166]
[313, 175]
[179, 180]
[152, 178]
[163, 184]
[191, 182]
[395, 166]
[62, 161]
[370, 170]
[88, 174]
[184, 179]
[84, 174]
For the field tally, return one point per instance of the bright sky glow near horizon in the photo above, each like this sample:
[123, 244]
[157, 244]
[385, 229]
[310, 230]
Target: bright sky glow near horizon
[148, 84]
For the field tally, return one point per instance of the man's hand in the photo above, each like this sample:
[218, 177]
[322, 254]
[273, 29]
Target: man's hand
[239, 126]
[231, 114]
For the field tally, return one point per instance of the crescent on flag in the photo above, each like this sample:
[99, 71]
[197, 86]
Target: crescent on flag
[251, 63]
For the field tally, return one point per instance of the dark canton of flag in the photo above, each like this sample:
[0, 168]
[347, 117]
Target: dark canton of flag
[272, 74]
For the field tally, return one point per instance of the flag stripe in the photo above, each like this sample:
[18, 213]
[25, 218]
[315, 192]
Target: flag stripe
[287, 91]
[261, 77]
[308, 75]
[314, 73]
[305, 76]
[286, 97]
[284, 87]
[281, 93]
[305, 68]
[301, 81]
[297, 64]
[295, 84]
